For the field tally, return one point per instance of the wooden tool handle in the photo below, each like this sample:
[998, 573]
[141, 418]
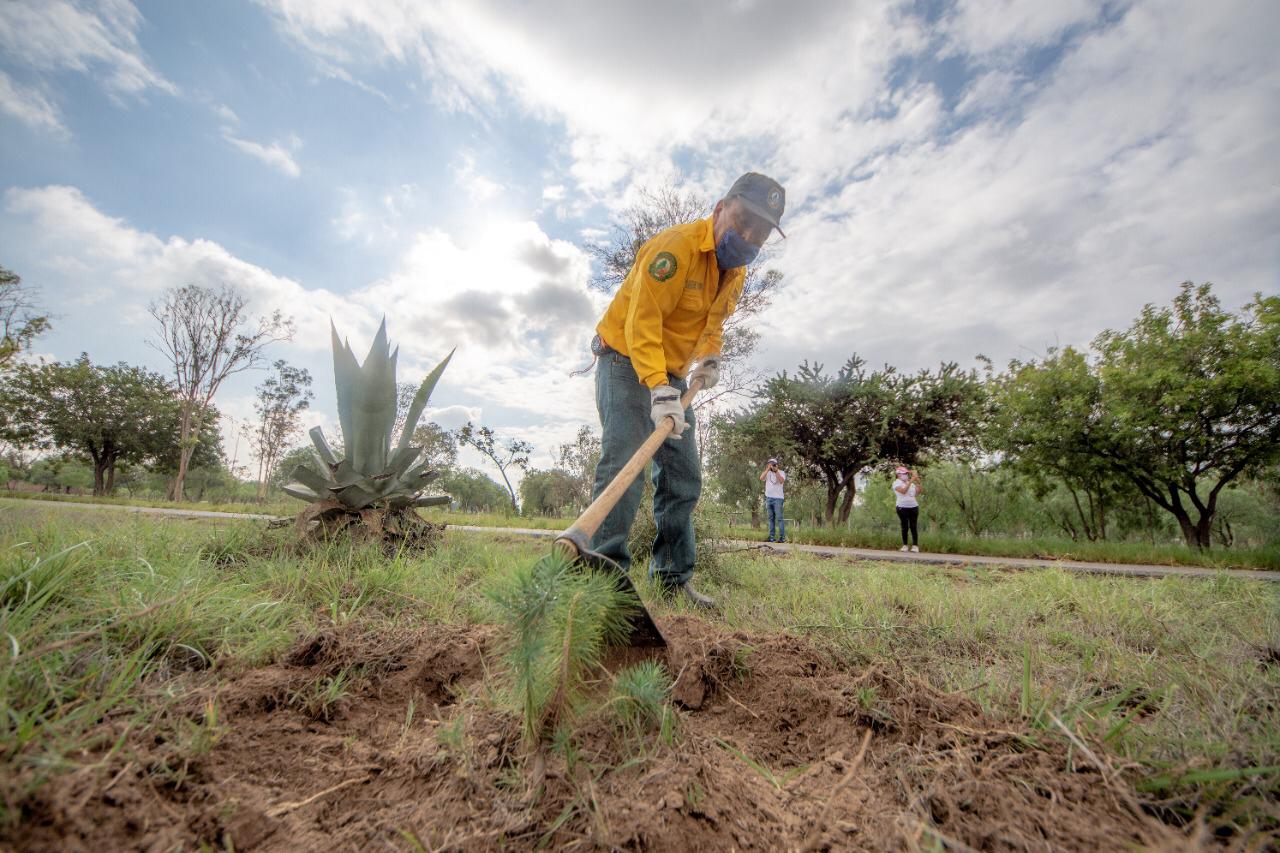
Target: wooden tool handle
[593, 516]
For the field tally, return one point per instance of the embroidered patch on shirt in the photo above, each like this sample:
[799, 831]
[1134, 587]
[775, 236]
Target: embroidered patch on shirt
[693, 284]
[663, 266]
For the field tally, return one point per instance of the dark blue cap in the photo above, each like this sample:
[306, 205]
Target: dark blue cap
[761, 195]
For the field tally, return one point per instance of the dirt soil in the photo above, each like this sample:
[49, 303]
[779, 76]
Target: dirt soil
[778, 747]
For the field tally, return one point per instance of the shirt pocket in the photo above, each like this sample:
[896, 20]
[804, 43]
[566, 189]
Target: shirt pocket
[692, 297]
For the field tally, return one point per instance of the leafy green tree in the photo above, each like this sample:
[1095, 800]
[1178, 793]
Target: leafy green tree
[475, 491]
[61, 473]
[547, 492]
[20, 322]
[738, 447]
[1178, 406]
[1192, 402]
[977, 496]
[110, 414]
[439, 448]
[1044, 416]
[836, 427]
[504, 453]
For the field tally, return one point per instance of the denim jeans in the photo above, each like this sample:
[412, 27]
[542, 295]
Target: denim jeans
[623, 402]
[773, 508]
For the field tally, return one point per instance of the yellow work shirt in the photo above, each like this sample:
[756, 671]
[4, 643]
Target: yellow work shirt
[671, 307]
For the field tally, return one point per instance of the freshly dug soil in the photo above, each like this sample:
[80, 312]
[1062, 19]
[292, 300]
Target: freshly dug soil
[777, 747]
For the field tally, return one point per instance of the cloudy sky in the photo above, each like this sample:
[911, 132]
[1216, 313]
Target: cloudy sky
[982, 176]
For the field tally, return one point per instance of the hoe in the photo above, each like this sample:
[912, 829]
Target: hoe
[574, 542]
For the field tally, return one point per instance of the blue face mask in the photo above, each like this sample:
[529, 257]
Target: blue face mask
[733, 250]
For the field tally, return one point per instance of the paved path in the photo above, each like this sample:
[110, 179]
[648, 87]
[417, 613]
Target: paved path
[1122, 569]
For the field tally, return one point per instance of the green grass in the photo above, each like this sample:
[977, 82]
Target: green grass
[1267, 558]
[279, 507]
[101, 616]
[1176, 674]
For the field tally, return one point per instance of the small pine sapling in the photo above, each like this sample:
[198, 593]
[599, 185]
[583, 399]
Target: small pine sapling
[639, 699]
[560, 619]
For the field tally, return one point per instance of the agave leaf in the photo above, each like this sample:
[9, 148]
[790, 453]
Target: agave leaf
[415, 478]
[402, 458]
[345, 475]
[346, 377]
[420, 400]
[354, 496]
[325, 470]
[433, 500]
[311, 480]
[322, 447]
[373, 407]
[297, 490]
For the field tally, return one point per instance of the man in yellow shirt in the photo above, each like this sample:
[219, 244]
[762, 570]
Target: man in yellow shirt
[668, 314]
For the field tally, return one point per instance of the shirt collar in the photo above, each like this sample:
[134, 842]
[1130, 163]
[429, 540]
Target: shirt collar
[708, 243]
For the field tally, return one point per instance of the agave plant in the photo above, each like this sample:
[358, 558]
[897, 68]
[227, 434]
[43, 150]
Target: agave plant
[371, 482]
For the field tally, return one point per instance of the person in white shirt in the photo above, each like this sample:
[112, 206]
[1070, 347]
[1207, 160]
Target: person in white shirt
[906, 494]
[773, 478]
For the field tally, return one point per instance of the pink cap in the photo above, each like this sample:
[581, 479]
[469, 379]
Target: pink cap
[901, 469]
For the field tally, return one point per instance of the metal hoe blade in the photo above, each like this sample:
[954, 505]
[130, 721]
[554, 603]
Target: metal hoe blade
[644, 631]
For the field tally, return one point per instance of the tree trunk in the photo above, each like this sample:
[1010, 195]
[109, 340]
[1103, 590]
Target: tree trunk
[847, 504]
[185, 424]
[833, 494]
[111, 477]
[99, 477]
[1196, 535]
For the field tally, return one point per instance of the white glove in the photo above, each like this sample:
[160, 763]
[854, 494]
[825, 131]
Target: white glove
[665, 403]
[708, 369]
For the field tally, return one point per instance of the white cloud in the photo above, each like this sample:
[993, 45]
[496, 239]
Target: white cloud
[511, 299]
[275, 155]
[58, 35]
[112, 260]
[30, 106]
[1123, 176]
[226, 114]
[1050, 202]
[983, 26]
[630, 85]
[472, 182]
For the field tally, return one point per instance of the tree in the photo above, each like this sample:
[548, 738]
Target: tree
[838, 426]
[206, 335]
[504, 453]
[110, 414]
[828, 422]
[1042, 415]
[547, 492]
[439, 449]
[577, 461]
[1191, 402]
[474, 491]
[1177, 407]
[19, 321]
[205, 449]
[738, 447]
[658, 209]
[978, 495]
[282, 398]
